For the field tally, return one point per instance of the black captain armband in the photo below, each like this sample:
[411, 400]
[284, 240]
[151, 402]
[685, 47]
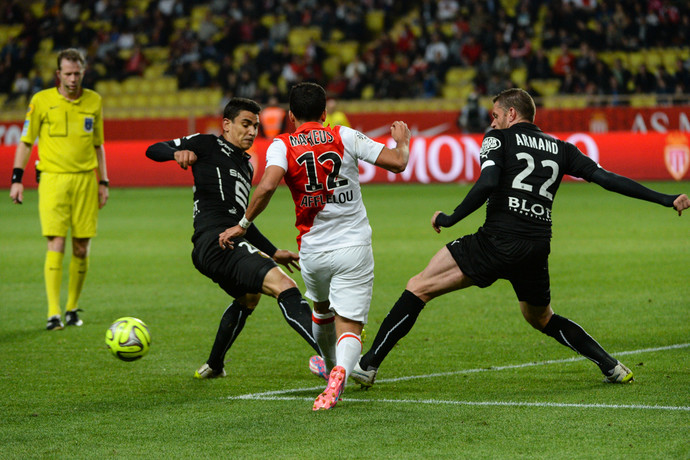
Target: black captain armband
[104, 182]
[17, 174]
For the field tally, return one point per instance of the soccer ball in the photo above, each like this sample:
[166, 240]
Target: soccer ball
[128, 338]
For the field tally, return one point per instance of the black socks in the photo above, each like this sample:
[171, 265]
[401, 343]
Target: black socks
[231, 325]
[573, 336]
[395, 326]
[297, 313]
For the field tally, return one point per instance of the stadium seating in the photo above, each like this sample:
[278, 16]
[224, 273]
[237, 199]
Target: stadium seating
[158, 92]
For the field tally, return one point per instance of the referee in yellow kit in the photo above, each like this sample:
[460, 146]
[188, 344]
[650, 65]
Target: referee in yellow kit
[68, 121]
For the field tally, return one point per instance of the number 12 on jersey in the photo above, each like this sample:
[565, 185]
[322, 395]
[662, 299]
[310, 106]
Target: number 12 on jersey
[308, 160]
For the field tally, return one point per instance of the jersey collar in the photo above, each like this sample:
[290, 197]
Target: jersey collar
[234, 149]
[71, 101]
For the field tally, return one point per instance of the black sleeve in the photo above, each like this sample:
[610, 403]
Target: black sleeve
[257, 238]
[628, 187]
[477, 196]
[161, 151]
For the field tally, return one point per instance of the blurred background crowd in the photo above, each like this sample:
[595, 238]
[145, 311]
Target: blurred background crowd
[358, 50]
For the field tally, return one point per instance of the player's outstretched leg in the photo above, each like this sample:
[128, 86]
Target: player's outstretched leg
[395, 326]
[230, 326]
[298, 315]
[571, 335]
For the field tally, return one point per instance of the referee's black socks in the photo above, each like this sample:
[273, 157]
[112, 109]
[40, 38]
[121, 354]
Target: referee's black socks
[297, 313]
[573, 336]
[231, 325]
[395, 326]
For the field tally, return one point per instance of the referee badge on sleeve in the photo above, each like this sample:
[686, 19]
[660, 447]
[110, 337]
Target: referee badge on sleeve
[88, 124]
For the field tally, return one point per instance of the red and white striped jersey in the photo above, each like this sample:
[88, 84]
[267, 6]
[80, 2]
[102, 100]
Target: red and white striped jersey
[322, 172]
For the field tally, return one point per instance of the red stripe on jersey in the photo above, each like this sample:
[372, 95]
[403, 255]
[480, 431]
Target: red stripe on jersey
[310, 163]
[349, 334]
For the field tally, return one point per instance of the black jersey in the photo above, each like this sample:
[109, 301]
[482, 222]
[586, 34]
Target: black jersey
[532, 165]
[222, 180]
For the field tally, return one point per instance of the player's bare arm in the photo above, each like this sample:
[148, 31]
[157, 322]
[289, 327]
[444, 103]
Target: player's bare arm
[185, 158]
[395, 160]
[103, 184]
[21, 158]
[681, 203]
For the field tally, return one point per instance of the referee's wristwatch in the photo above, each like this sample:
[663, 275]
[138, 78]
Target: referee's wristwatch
[104, 182]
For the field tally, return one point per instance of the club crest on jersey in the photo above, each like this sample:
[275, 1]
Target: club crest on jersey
[489, 144]
[677, 155]
[88, 124]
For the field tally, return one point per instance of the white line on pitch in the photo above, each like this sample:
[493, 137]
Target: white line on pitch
[267, 394]
[478, 403]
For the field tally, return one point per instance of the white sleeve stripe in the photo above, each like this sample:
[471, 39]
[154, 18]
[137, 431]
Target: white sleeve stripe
[488, 163]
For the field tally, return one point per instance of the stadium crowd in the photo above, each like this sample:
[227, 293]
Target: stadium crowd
[408, 61]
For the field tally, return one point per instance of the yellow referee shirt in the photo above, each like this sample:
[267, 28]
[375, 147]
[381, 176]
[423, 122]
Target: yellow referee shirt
[67, 131]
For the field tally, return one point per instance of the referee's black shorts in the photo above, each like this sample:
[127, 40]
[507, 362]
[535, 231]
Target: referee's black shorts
[486, 257]
[237, 271]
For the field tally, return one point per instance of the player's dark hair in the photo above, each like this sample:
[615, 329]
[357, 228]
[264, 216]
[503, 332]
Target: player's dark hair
[519, 99]
[307, 101]
[71, 54]
[238, 104]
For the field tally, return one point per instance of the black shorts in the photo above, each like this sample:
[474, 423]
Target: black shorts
[486, 257]
[238, 271]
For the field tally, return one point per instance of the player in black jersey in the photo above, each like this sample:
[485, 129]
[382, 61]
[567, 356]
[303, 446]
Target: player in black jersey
[222, 181]
[521, 169]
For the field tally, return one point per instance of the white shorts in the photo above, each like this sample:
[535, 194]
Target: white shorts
[344, 277]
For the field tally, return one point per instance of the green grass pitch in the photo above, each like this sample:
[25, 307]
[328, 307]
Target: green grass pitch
[471, 380]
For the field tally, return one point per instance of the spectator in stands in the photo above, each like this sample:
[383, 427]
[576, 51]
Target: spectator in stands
[436, 49]
[600, 77]
[199, 76]
[565, 62]
[136, 63]
[20, 89]
[609, 25]
[37, 83]
[665, 82]
[207, 27]
[473, 118]
[500, 65]
[337, 85]
[622, 75]
[497, 83]
[71, 11]
[585, 62]
[645, 81]
[538, 66]
[483, 67]
[355, 71]
[447, 10]
[681, 76]
[470, 51]
[520, 49]
[279, 30]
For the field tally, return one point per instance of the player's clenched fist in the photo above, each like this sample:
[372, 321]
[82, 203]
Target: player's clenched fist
[185, 158]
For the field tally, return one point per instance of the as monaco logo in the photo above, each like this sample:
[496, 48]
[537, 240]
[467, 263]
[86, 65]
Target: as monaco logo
[677, 155]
